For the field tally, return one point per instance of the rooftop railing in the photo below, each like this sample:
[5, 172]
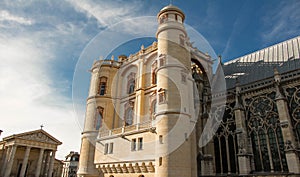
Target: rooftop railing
[126, 130]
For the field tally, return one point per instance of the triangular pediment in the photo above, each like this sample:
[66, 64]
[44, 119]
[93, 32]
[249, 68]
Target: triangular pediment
[37, 135]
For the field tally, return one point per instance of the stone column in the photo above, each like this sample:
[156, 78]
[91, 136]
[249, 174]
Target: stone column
[286, 127]
[47, 159]
[207, 161]
[4, 160]
[10, 161]
[243, 153]
[51, 164]
[139, 101]
[25, 161]
[39, 163]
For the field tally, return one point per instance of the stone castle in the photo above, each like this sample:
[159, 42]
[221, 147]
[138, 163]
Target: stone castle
[146, 113]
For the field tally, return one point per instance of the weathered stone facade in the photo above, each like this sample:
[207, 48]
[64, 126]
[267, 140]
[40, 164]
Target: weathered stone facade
[142, 112]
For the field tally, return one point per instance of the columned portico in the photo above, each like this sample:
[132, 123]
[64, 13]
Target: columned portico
[25, 152]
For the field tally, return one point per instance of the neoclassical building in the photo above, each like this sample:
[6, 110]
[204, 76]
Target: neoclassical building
[162, 112]
[29, 154]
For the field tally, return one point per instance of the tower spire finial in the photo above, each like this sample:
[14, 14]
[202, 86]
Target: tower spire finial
[171, 2]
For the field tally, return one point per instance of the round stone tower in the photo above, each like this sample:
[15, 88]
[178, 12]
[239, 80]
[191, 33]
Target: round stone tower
[99, 115]
[89, 134]
[175, 147]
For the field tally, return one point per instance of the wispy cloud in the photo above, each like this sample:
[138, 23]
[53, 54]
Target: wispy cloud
[282, 22]
[6, 16]
[107, 12]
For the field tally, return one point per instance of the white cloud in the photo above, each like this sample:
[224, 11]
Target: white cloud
[35, 68]
[29, 95]
[6, 16]
[107, 12]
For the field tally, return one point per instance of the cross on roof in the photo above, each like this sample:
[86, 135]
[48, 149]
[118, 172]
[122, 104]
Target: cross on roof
[41, 126]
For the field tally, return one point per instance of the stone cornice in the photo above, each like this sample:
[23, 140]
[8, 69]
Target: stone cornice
[32, 143]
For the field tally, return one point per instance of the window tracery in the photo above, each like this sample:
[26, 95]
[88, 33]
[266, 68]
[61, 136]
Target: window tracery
[225, 142]
[265, 133]
[293, 97]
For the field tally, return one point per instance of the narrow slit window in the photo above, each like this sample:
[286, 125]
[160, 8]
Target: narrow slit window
[133, 145]
[140, 144]
[111, 148]
[106, 148]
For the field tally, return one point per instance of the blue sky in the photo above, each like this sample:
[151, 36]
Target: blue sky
[41, 43]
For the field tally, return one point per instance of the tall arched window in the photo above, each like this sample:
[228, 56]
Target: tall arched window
[130, 83]
[102, 85]
[98, 118]
[225, 143]
[153, 72]
[153, 109]
[128, 114]
[265, 132]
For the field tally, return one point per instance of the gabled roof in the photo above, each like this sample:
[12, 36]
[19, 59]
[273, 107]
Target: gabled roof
[36, 135]
[260, 64]
[281, 52]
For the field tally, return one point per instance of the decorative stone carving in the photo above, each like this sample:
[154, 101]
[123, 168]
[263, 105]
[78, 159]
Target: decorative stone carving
[242, 150]
[119, 169]
[150, 168]
[124, 168]
[39, 137]
[103, 169]
[130, 168]
[284, 124]
[288, 146]
[137, 168]
[144, 168]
